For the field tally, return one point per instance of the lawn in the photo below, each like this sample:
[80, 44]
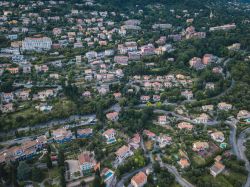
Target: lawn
[149, 145]
[199, 160]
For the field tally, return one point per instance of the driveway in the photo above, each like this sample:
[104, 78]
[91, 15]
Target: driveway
[73, 168]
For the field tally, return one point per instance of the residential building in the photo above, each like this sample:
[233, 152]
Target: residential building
[224, 106]
[203, 118]
[139, 180]
[37, 44]
[184, 163]
[200, 146]
[243, 114]
[185, 125]
[187, 94]
[218, 136]
[84, 133]
[122, 153]
[149, 134]
[162, 120]
[87, 162]
[164, 140]
[62, 135]
[110, 136]
[112, 116]
[216, 169]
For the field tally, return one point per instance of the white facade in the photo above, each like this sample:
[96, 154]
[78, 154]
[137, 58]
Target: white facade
[37, 44]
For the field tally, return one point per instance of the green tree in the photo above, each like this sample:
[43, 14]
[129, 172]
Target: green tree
[48, 161]
[61, 158]
[98, 182]
[37, 174]
[23, 171]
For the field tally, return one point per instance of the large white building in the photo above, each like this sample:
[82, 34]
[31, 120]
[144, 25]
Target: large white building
[37, 44]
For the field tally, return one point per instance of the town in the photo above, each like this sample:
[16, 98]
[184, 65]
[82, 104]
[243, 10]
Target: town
[124, 93]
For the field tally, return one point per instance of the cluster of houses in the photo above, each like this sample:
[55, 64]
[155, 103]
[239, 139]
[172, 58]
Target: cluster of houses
[198, 63]
[7, 99]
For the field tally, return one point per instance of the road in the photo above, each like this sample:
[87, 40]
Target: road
[50, 125]
[183, 182]
[242, 155]
[232, 137]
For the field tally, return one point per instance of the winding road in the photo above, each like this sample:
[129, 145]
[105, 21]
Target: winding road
[242, 155]
[183, 182]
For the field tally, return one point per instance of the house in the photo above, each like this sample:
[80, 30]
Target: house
[61, 135]
[110, 136]
[208, 59]
[87, 162]
[184, 163]
[86, 94]
[103, 90]
[217, 70]
[203, 118]
[112, 116]
[196, 63]
[223, 27]
[84, 133]
[122, 153]
[7, 97]
[200, 146]
[210, 86]
[187, 94]
[164, 140]
[207, 108]
[218, 136]
[139, 180]
[149, 134]
[23, 94]
[224, 106]
[135, 141]
[185, 125]
[145, 98]
[13, 70]
[147, 50]
[122, 60]
[162, 120]
[5, 108]
[216, 169]
[243, 114]
[234, 47]
[117, 95]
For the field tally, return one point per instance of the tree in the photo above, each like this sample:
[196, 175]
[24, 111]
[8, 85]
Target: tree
[61, 158]
[37, 174]
[62, 178]
[98, 182]
[48, 161]
[23, 171]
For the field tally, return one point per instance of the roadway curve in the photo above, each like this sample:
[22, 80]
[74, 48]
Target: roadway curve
[183, 182]
[242, 155]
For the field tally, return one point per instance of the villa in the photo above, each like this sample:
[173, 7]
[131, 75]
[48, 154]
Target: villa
[62, 135]
[200, 146]
[86, 162]
[139, 180]
[84, 133]
[122, 153]
[216, 169]
[112, 116]
[218, 136]
[110, 136]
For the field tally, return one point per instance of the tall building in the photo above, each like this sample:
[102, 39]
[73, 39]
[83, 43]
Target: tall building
[37, 44]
